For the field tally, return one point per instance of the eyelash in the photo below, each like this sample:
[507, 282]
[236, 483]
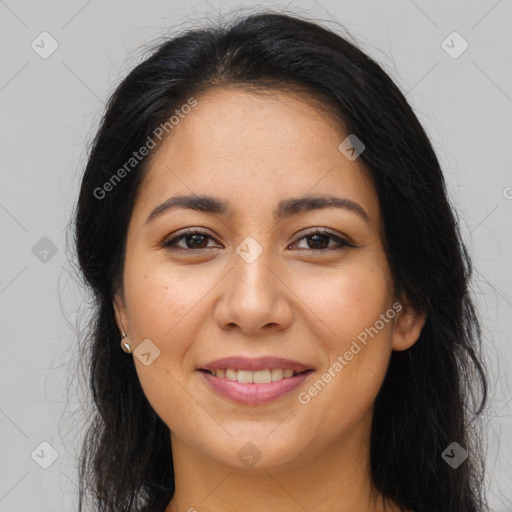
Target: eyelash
[171, 243]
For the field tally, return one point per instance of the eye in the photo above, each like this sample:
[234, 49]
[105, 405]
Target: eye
[320, 241]
[194, 239]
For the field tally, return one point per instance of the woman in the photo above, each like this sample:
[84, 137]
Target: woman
[265, 227]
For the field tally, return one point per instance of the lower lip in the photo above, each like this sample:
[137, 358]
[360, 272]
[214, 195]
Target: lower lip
[255, 393]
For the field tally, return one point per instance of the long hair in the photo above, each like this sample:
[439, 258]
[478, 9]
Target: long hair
[433, 393]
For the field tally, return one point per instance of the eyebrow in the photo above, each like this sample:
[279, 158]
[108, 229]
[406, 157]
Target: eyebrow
[285, 208]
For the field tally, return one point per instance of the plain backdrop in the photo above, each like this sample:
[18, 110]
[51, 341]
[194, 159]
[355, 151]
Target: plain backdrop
[50, 106]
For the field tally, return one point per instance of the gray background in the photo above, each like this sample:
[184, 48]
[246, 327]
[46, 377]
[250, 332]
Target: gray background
[50, 109]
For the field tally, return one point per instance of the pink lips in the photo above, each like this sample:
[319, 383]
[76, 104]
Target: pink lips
[255, 393]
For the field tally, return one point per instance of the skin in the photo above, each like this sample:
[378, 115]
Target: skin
[253, 151]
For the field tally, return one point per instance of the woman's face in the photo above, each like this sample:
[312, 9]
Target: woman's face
[255, 283]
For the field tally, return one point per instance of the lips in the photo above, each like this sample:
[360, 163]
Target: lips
[287, 376]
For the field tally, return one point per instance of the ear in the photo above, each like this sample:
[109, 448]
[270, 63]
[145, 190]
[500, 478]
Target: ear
[120, 313]
[407, 326]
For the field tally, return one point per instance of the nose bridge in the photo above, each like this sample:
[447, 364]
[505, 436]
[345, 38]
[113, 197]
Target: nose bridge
[253, 297]
[252, 279]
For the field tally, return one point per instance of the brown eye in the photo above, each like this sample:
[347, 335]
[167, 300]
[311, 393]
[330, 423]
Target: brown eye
[318, 241]
[193, 239]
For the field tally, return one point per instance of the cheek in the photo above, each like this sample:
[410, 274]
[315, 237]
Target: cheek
[350, 304]
[163, 306]
[347, 301]
[159, 297]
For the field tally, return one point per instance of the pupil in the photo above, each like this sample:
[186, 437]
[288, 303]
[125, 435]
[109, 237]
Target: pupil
[196, 237]
[320, 236]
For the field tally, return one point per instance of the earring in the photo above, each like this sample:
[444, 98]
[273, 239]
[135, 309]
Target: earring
[125, 346]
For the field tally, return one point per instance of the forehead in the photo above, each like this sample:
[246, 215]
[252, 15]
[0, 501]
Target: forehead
[228, 122]
[255, 150]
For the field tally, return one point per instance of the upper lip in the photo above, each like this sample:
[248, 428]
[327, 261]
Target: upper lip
[255, 364]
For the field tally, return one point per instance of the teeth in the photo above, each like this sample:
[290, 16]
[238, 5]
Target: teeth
[230, 374]
[262, 377]
[245, 376]
[277, 374]
[257, 377]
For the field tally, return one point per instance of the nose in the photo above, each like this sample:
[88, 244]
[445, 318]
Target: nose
[255, 297]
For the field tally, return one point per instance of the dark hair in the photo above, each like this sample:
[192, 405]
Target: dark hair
[432, 394]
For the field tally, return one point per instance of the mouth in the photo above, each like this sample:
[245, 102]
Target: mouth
[254, 381]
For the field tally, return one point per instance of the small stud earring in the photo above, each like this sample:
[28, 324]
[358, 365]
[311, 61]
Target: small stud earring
[125, 346]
